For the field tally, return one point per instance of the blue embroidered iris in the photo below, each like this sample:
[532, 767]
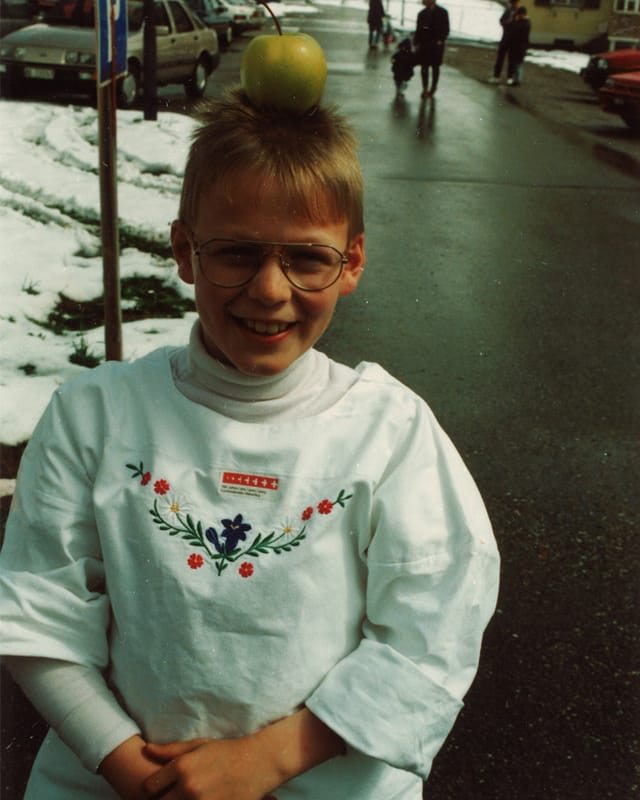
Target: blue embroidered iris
[234, 530]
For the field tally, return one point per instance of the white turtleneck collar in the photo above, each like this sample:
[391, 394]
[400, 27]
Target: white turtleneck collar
[308, 386]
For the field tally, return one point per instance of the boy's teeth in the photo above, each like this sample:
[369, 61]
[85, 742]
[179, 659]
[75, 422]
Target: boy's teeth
[266, 327]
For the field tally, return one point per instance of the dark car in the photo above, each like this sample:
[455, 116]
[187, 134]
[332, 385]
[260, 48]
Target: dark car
[217, 15]
[621, 95]
[59, 53]
[602, 65]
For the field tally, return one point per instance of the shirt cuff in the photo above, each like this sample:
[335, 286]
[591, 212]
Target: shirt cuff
[383, 705]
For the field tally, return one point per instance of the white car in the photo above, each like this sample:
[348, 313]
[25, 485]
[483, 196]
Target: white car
[60, 52]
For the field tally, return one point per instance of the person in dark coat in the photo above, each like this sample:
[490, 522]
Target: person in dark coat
[432, 29]
[506, 21]
[518, 44]
[374, 19]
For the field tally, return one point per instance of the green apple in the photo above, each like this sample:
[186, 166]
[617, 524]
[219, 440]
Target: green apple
[285, 71]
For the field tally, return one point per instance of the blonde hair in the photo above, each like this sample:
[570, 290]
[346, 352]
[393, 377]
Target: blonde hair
[312, 157]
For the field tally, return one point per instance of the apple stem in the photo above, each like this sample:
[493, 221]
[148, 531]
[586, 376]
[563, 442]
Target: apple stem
[275, 19]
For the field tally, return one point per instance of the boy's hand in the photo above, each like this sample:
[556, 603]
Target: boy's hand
[209, 769]
[127, 767]
[248, 768]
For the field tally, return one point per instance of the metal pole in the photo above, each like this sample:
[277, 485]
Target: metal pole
[109, 225]
[109, 209]
[150, 84]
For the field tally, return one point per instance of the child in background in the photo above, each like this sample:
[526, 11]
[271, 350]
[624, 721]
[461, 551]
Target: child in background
[518, 44]
[402, 63]
[236, 569]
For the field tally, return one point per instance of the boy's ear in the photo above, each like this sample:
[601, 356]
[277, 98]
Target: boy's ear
[352, 271]
[182, 252]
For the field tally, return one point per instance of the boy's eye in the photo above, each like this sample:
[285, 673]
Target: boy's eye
[233, 254]
[311, 259]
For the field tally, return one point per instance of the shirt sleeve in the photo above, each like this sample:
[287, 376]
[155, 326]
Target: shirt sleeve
[52, 593]
[433, 571]
[77, 703]
[55, 613]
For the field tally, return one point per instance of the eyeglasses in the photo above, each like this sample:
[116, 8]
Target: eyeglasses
[231, 263]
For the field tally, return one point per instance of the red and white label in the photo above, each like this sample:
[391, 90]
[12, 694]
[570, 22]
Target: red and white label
[247, 484]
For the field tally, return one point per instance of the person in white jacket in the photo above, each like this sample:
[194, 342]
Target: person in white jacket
[236, 569]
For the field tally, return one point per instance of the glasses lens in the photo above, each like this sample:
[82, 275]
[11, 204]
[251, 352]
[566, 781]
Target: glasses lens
[312, 266]
[230, 263]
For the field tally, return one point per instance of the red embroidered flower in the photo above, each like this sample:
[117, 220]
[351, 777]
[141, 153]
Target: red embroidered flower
[246, 569]
[145, 478]
[325, 506]
[161, 486]
[195, 561]
[307, 513]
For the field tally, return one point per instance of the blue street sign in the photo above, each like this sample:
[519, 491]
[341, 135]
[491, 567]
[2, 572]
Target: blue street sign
[112, 39]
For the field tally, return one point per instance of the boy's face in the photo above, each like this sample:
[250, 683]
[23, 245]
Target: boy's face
[228, 316]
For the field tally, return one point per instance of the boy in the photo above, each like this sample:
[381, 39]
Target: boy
[239, 570]
[402, 62]
[507, 19]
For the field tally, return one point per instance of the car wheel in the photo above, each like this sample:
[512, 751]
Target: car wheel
[129, 87]
[226, 37]
[197, 83]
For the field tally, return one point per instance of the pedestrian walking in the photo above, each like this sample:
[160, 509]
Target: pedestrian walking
[506, 21]
[518, 44]
[236, 568]
[402, 64]
[432, 30]
[375, 19]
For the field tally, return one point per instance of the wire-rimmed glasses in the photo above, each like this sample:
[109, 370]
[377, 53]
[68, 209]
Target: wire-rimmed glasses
[231, 263]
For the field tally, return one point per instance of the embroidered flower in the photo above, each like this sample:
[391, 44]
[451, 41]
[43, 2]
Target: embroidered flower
[161, 486]
[234, 531]
[175, 504]
[145, 478]
[307, 513]
[325, 506]
[246, 569]
[195, 561]
[287, 528]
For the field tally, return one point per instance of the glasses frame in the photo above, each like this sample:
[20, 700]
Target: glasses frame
[284, 265]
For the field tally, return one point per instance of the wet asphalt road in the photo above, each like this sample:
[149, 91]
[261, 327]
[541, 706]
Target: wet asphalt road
[502, 285]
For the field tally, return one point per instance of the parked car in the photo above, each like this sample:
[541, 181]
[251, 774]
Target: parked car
[246, 16]
[602, 65]
[621, 95]
[217, 15]
[60, 52]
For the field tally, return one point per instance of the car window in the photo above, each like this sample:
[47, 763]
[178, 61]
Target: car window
[78, 13]
[181, 18]
[160, 16]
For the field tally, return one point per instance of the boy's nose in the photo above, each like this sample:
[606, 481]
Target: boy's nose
[270, 285]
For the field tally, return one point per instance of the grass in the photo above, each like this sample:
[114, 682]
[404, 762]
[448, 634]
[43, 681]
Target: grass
[82, 355]
[143, 298]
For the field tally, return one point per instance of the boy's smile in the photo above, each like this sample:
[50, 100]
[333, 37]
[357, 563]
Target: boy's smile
[265, 325]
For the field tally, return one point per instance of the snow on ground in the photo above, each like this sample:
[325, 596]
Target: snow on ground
[50, 217]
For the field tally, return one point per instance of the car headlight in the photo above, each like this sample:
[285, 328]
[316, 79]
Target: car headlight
[8, 51]
[76, 57]
[602, 63]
